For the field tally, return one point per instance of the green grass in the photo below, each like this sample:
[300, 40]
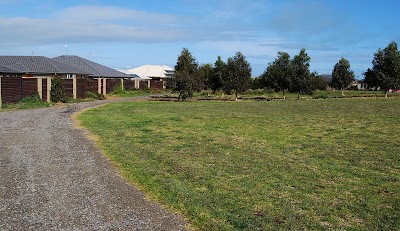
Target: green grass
[30, 102]
[259, 94]
[309, 164]
[124, 93]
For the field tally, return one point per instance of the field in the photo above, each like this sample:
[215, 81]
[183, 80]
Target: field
[308, 164]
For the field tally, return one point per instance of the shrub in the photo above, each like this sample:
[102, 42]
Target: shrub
[32, 99]
[94, 95]
[155, 90]
[118, 89]
[57, 92]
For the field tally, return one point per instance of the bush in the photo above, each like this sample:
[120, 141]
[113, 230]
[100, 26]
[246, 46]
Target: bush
[32, 99]
[153, 90]
[94, 95]
[118, 90]
[57, 93]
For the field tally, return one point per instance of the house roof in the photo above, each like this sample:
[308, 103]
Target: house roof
[95, 69]
[37, 65]
[4, 69]
[152, 71]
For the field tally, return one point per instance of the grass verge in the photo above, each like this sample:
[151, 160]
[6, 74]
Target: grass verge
[30, 102]
[310, 164]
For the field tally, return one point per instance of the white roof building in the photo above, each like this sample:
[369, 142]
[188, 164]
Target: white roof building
[156, 72]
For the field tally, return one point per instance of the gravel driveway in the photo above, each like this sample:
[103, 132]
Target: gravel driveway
[53, 178]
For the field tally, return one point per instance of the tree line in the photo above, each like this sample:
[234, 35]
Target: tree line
[231, 76]
[284, 74]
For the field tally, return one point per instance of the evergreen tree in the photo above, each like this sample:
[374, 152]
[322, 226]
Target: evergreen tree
[371, 79]
[238, 74]
[300, 80]
[342, 76]
[186, 77]
[386, 66]
[57, 93]
[219, 71]
[278, 73]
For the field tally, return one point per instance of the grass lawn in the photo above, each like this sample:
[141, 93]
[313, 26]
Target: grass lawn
[308, 164]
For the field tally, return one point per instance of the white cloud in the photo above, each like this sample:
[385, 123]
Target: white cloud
[109, 13]
[87, 24]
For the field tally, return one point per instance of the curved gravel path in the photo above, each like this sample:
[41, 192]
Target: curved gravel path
[53, 178]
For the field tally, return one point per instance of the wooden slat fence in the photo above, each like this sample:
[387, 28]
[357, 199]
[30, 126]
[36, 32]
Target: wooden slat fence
[13, 89]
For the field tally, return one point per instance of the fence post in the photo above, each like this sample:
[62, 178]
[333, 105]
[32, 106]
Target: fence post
[122, 84]
[105, 86]
[0, 92]
[40, 87]
[99, 86]
[136, 84]
[74, 87]
[148, 84]
[48, 89]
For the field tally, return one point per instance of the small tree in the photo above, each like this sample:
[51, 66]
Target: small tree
[342, 76]
[371, 79]
[386, 66]
[300, 79]
[186, 77]
[238, 74]
[319, 82]
[57, 93]
[278, 73]
[215, 82]
[205, 72]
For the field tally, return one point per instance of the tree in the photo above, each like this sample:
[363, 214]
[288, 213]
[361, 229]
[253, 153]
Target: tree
[278, 73]
[256, 83]
[342, 76]
[57, 93]
[371, 79]
[238, 74]
[205, 72]
[386, 66]
[300, 78]
[215, 82]
[319, 82]
[186, 77]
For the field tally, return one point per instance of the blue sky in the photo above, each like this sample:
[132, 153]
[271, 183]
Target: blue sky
[125, 34]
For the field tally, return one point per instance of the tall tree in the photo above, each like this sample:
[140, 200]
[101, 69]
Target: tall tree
[371, 79]
[238, 74]
[278, 73]
[205, 72]
[219, 71]
[300, 79]
[186, 77]
[386, 66]
[342, 76]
